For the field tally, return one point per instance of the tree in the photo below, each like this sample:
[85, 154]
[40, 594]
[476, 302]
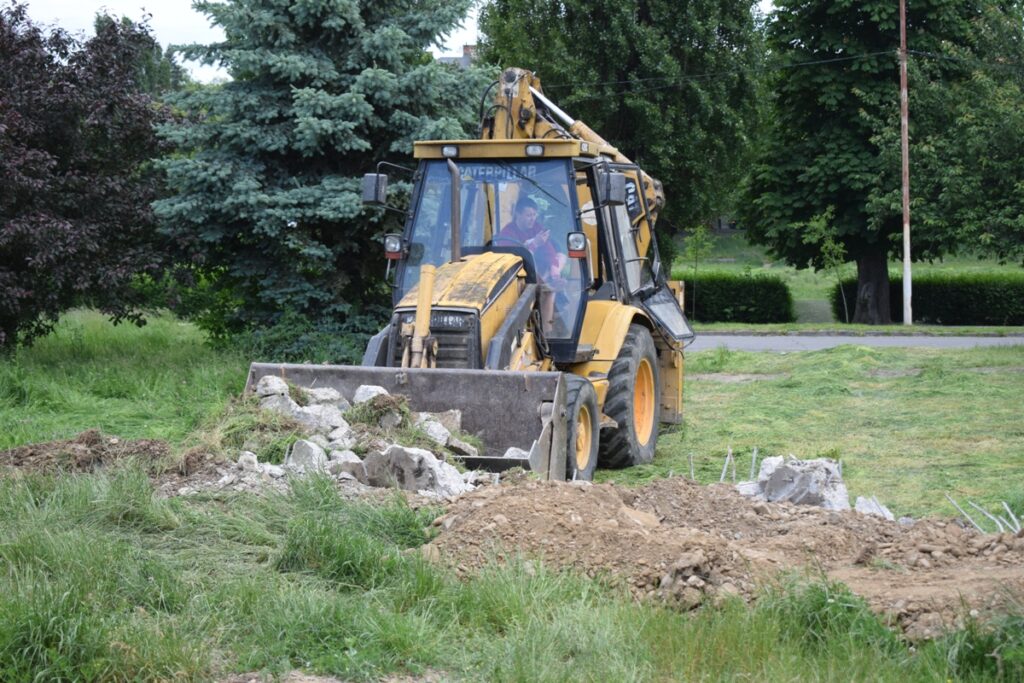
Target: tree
[674, 85]
[835, 81]
[967, 145]
[75, 134]
[156, 70]
[265, 184]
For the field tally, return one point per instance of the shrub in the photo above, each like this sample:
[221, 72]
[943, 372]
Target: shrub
[741, 298]
[951, 299]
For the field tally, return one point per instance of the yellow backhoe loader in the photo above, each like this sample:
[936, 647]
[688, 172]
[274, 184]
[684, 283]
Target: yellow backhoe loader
[528, 294]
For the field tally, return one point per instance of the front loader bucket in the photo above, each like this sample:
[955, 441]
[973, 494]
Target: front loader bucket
[522, 409]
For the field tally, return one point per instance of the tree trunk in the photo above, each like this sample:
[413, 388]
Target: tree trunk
[873, 288]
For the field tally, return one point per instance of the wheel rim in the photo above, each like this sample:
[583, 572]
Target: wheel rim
[584, 439]
[643, 402]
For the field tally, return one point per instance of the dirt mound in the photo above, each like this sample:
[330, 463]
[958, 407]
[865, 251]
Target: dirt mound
[86, 452]
[685, 543]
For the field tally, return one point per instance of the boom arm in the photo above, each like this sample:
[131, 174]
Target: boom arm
[521, 111]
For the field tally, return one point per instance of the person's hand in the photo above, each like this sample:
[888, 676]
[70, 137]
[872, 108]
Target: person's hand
[538, 239]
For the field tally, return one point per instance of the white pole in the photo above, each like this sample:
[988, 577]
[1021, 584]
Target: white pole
[908, 317]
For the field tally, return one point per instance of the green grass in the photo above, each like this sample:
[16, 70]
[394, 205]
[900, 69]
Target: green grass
[159, 382]
[811, 289]
[835, 328]
[948, 422]
[100, 580]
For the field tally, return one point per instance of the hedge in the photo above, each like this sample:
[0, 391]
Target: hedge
[950, 299]
[739, 298]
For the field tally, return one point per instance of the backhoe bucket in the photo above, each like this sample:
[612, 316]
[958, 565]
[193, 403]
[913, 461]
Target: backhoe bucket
[526, 410]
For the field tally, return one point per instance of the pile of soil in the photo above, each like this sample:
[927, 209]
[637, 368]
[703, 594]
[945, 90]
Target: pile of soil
[87, 452]
[688, 544]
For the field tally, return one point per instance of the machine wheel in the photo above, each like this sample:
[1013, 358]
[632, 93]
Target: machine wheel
[582, 427]
[633, 402]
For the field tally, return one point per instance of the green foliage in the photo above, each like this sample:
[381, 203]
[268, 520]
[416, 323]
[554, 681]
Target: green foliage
[266, 182]
[966, 142]
[831, 142]
[155, 70]
[638, 73]
[819, 231]
[738, 297]
[953, 298]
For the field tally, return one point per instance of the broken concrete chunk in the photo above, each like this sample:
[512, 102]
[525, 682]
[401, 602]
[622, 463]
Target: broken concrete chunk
[392, 419]
[270, 385]
[517, 453]
[247, 462]
[272, 471]
[871, 506]
[347, 461]
[436, 431]
[322, 418]
[414, 469]
[323, 395]
[805, 482]
[279, 404]
[748, 488]
[305, 456]
[367, 391]
[460, 447]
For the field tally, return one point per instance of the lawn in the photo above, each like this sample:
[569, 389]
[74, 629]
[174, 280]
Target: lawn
[159, 381]
[909, 424]
[102, 580]
[811, 290]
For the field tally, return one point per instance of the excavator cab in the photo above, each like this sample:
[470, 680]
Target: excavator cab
[528, 294]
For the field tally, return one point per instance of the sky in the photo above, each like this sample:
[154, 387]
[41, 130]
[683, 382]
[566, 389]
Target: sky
[175, 22]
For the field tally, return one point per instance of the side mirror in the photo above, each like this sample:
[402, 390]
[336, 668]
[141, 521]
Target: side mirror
[375, 188]
[611, 189]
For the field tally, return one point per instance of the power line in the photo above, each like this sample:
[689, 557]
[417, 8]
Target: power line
[672, 80]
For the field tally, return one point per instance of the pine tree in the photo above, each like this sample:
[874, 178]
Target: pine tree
[265, 188]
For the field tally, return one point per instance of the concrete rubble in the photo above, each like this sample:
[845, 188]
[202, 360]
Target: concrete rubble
[414, 469]
[330, 445]
[816, 482]
[871, 506]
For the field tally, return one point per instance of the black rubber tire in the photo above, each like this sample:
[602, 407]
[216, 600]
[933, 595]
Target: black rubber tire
[619, 445]
[580, 393]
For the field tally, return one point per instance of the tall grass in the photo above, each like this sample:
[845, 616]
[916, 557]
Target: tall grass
[147, 589]
[159, 381]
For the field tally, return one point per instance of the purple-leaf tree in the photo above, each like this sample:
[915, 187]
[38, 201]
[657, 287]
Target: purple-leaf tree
[76, 134]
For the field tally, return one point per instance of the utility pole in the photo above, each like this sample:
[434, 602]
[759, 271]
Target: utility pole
[908, 317]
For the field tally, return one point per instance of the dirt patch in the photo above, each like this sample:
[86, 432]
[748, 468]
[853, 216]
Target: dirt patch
[688, 544]
[87, 452]
[736, 378]
[886, 373]
[1006, 369]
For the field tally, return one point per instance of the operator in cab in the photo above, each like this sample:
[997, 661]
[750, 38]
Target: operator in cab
[527, 231]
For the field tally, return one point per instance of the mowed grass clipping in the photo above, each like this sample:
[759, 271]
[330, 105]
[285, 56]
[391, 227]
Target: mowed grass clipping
[159, 381]
[908, 424]
[100, 580]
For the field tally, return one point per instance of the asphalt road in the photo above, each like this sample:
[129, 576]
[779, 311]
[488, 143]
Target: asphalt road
[792, 342]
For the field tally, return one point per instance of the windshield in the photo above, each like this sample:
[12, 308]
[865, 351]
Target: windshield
[514, 203]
